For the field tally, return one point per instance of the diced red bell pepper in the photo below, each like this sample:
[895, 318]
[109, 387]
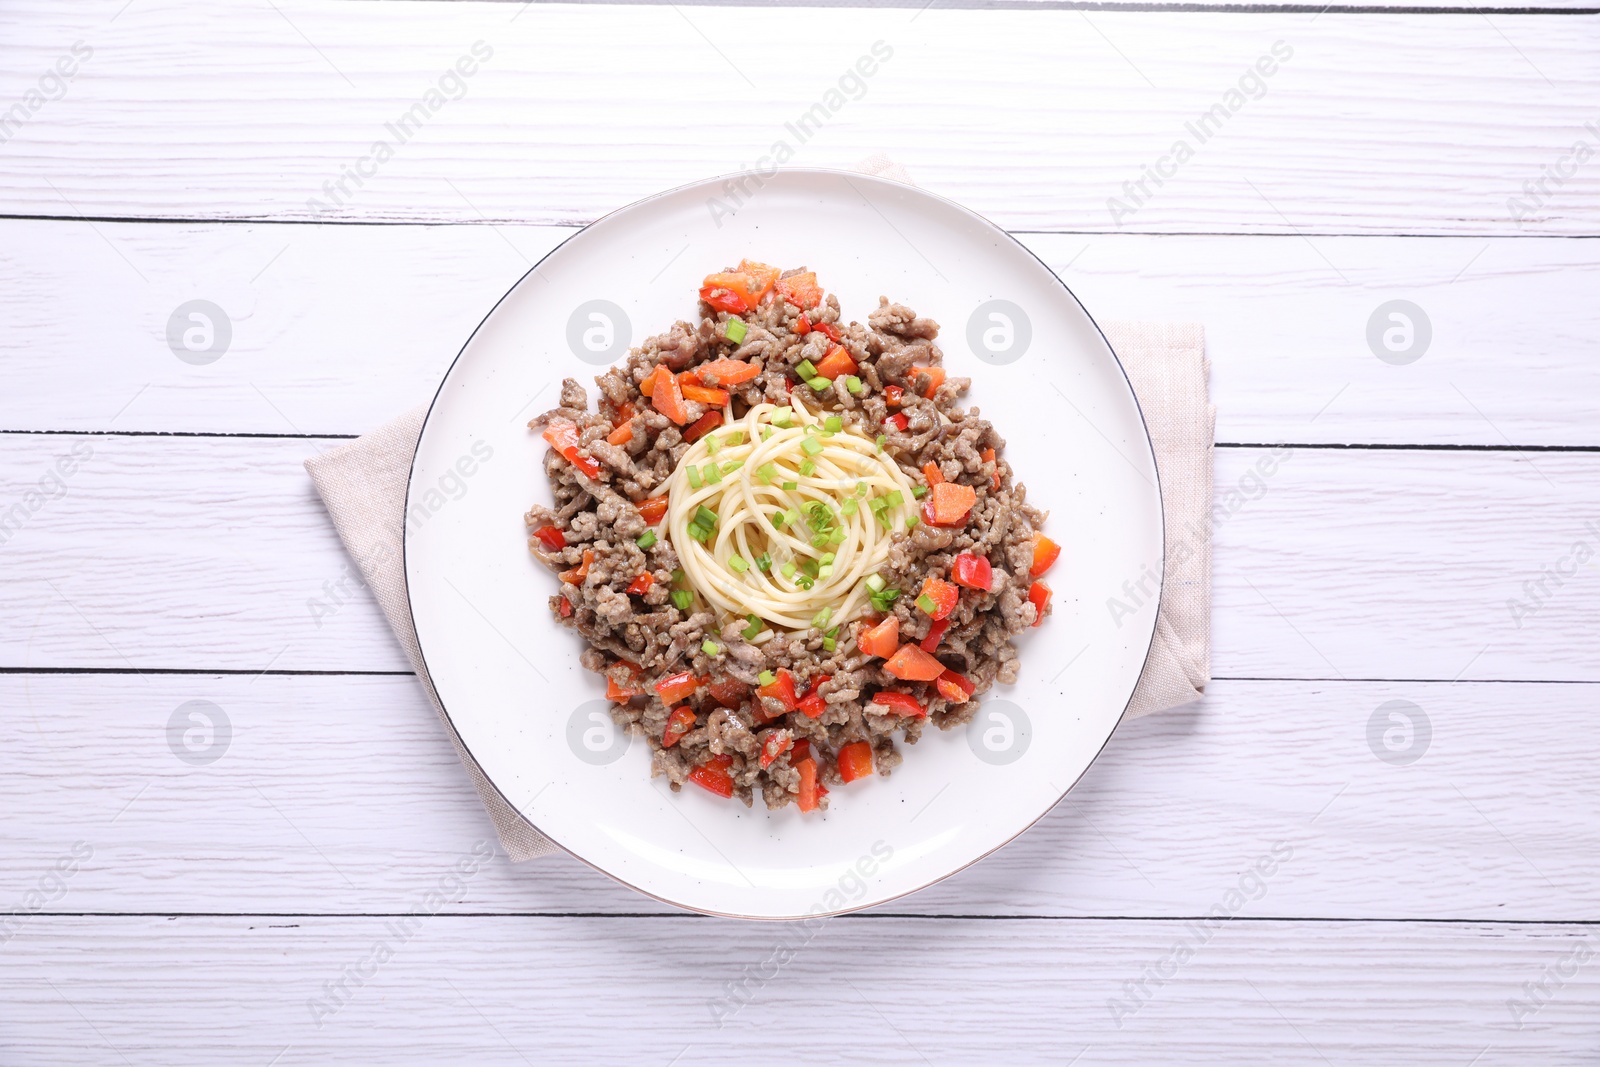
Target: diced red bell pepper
[945, 597]
[802, 326]
[703, 425]
[641, 585]
[667, 396]
[881, 640]
[577, 574]
[715, 775]
[677, 687]
[653, 509]
[801, 290]
[1045, 554]
[679, 723]
[648, 385]
[835, 363]
[565, 608]
[1039, 597]
[810, 788]
[899, 703]
[723, 299]
[935, 633]
[776, 744]
[726, 372]
[762, 277]
[855, 760]
[551, 537]
[782, 689]
[562, 434]
[935, 377]
[932, 473]
[618, 693]
[829, 330]
[729, 692]
[717, 398]
[955, 688]
[894, 395]
[951, 502]
[621, 435]
[812, 702]
[898, 420]
[972, 571]
[911, 664]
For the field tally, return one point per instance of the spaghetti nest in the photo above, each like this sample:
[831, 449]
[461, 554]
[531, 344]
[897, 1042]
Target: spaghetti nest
[786, 516]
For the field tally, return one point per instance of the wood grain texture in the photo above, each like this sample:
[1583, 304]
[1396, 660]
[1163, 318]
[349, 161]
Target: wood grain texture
[522, 991]
[338, 795]
[1512, 358]
[208, 553]
[1377, 124]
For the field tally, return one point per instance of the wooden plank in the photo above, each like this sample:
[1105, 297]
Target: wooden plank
[335, 329]
[338, 795]
[1375, 124]
[215, 553]
[518, 991]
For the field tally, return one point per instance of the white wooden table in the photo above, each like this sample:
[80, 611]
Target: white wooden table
[1420, 889]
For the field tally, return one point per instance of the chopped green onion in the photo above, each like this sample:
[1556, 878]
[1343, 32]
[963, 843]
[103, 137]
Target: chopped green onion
[805, 581]
[878, 503]
[781, 416]
[646, 539]
[849, 506]
[791, 486]
[738, 564]
[819, 384]
[780, 518]
[830, 642]
[833, 424]
[853, 384]
[875, 583]
[694, 478]
[807, 370]
[820, 619]
[919, 491]
[712, 444]
[809, 567]
[895, 498]
[678, 577]
[749, 633]
[766, 433]
[710, 647]
[734, 438]
[808, 468]
[732, 465]
[704, 516]
[827, 557]
[837, 537]
[711, 474]
[766, 678]
[766, 472]
[882, 440]
[788, 569]
[861, 489]
[811, 446]
[825, 571]
[735, 330]
[763, 562]
[699, 533]
[925, 602]
[681, 599]
[911, 520]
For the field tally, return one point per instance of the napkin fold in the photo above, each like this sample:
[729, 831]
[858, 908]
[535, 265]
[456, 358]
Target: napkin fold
[363, 485]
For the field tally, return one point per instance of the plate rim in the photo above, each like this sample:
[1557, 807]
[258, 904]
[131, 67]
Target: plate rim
[848, 176]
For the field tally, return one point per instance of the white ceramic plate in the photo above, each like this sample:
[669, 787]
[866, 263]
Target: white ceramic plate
[509, 677]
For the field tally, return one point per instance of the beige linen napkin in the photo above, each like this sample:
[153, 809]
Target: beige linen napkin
[363, 484]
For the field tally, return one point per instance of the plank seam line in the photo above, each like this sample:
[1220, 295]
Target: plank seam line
[1361, 446]
[859, 916]
[578, 224]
